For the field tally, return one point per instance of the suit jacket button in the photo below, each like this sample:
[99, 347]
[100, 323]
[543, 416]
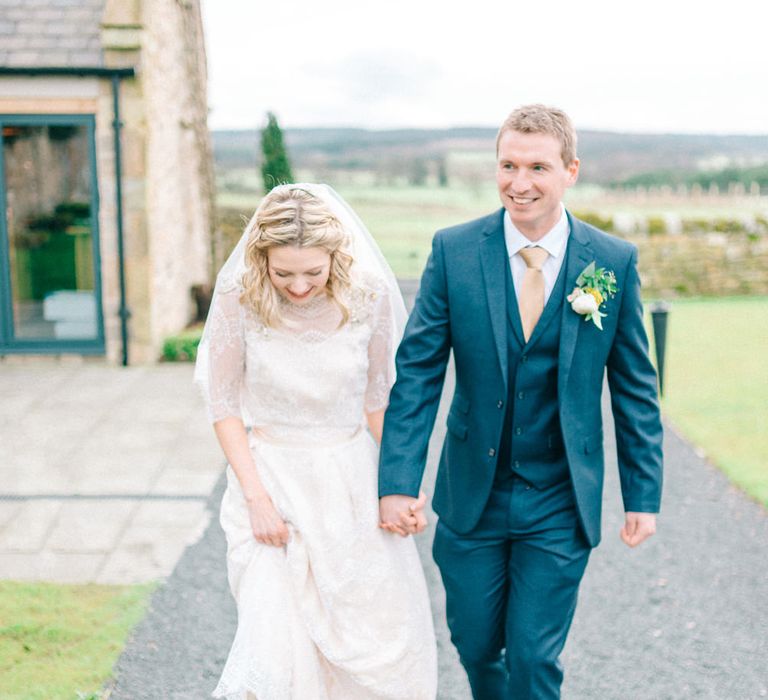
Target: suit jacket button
[499, 404]
[516, 465]
[491, 452]
[518, 431]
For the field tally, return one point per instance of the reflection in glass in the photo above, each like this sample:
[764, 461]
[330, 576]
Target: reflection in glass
[50, 232]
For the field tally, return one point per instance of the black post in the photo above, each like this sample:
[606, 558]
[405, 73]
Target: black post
[659, 315]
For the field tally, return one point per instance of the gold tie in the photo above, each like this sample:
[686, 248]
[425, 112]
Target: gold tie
[531, 299]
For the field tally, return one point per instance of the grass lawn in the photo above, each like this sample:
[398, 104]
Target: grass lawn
[60, 642]
[716, 384]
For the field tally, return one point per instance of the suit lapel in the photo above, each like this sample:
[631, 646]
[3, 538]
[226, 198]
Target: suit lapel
[579, 255]
[493, 260]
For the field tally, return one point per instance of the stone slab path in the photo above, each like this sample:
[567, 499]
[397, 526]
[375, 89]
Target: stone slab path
[104, 471]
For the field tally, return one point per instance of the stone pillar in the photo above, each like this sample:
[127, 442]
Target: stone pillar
[179, 175]
[121, 35]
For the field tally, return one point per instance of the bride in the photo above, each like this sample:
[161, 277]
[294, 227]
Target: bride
[297, 356]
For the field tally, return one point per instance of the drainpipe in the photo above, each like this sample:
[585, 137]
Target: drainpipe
[124, 311]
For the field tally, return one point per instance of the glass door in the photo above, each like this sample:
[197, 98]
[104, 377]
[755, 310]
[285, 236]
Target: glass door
[49, 254]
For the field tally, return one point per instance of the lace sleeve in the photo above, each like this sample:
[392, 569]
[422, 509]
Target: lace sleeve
[223, 361]
[381, 353]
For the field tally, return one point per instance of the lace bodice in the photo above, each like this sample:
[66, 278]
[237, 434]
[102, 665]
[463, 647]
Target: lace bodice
[309, 375]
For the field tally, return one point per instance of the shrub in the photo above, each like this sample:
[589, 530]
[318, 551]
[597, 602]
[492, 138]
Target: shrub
[604, 223]
[728, 226]
[656, 225]
[697, 225]
[182, 347]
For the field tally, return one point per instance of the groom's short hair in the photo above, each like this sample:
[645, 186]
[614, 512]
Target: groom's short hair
[540, 119]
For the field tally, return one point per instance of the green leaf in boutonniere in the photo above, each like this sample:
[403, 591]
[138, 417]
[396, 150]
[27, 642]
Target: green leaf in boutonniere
[594, 286]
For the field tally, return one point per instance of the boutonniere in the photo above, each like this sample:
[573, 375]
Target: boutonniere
[594, 286]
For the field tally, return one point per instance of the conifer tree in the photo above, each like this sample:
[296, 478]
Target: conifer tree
[275, 168]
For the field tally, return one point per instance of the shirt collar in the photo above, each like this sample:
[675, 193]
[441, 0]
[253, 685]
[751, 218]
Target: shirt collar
[553, 242]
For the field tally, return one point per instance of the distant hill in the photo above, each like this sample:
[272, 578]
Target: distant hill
[607, 157]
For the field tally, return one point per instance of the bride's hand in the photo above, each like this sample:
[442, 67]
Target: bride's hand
[403, 515]
[267, 525]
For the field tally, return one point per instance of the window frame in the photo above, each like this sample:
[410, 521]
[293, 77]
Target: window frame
[9, 344]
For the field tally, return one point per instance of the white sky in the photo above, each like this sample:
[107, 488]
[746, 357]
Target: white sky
[622, 65]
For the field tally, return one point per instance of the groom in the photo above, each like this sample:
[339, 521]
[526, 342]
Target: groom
[536, 306]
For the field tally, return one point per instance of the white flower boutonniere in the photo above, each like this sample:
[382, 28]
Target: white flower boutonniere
[594, 286]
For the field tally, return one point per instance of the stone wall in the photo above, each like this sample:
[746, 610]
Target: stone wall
[702, 264]
[696, 254]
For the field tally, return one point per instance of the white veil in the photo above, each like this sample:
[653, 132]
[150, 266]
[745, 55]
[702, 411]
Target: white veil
[368, 262]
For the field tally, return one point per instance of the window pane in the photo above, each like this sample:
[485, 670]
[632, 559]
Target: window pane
[50, 233]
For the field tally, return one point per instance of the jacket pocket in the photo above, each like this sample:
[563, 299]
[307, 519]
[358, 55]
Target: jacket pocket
[456, 427]
[593, 443]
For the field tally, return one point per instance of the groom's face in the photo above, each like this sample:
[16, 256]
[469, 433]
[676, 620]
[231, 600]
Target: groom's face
[532, 179]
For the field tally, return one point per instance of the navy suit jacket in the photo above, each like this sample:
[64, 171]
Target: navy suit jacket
[461, 306]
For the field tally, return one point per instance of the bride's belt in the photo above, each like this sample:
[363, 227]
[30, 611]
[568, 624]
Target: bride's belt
[305, 436]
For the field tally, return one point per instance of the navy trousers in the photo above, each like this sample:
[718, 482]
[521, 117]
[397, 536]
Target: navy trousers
[511, 586]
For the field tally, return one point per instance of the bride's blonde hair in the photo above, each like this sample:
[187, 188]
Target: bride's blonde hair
[293, 216]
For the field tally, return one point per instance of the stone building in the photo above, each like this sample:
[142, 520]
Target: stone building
[106, 176]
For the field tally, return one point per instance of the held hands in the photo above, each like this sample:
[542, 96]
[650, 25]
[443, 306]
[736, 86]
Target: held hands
[637, 528]
[267, 525]
[403, 515]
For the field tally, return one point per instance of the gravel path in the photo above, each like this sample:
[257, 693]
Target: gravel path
[684, 616]
[687, 615]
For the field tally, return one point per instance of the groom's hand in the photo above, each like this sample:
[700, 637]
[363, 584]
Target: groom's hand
[637, 528]
[403, 515]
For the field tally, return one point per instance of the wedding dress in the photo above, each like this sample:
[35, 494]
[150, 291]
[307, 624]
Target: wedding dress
[342, 612]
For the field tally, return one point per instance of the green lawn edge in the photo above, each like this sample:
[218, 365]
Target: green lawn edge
[716, 384]
[61, 641]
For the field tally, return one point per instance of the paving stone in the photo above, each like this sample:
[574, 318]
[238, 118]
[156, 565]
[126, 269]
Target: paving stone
[148, 553]
[58, 567]
[162, 514]
[186, 481]
[30, 527]
[25, 477]
[9, 510]
[90, 526]
[125, 472]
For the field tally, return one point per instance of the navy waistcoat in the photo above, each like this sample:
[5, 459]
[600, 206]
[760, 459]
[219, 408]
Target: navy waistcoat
[532, 443]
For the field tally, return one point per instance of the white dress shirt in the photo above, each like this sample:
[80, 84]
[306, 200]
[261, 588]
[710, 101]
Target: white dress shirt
[554, 242]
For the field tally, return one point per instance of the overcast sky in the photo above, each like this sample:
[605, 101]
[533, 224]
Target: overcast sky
[651, 66]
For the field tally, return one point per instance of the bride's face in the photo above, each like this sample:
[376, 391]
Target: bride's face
[299, 274]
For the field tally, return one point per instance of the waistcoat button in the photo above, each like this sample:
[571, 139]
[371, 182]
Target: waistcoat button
[491, 452]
